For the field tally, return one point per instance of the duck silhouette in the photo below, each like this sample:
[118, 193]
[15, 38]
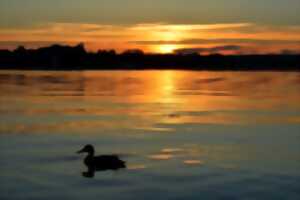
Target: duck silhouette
[100, 163]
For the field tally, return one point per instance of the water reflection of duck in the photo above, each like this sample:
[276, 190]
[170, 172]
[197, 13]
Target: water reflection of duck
[100, 163]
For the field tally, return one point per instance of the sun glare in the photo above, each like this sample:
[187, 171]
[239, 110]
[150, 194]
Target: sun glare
[166, 48]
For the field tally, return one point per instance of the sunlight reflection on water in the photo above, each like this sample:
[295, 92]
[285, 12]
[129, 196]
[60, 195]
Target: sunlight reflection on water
[145, 100]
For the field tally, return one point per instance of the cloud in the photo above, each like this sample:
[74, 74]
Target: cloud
[189, 27]
[216, 49]
[31, 44]
[290, 51]
[16, 12]
[214, 41]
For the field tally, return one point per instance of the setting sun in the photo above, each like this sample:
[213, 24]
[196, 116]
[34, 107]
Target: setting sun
[166, 48]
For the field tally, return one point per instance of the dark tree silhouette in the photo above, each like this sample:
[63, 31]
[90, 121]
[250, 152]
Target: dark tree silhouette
[62, 57]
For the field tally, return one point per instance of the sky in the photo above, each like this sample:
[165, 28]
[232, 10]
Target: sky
[162, 26]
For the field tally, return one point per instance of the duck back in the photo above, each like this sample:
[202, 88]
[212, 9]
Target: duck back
[105, 162]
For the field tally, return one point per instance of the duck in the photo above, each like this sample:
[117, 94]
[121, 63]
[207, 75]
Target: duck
[100, 163]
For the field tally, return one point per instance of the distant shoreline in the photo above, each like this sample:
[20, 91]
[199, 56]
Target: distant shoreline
[67, 58]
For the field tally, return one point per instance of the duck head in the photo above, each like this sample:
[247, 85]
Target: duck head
[87, 149]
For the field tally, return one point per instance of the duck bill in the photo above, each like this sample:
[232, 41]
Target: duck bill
[80, 151]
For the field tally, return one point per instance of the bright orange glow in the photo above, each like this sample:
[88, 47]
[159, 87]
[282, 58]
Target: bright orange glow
[167, 48]
[168, 87]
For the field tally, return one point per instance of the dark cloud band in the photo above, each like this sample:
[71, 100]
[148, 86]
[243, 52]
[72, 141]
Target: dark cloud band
[214, 41]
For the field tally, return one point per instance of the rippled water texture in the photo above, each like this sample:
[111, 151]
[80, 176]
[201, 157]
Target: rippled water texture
[183, 134]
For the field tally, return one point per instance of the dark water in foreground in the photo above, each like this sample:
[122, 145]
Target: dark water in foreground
[183, 134]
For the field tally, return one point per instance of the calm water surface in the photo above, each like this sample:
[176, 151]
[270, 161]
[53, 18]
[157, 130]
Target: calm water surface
[183, 134]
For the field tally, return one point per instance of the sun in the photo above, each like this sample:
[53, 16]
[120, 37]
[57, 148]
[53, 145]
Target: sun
[167, 37]
[166, 48]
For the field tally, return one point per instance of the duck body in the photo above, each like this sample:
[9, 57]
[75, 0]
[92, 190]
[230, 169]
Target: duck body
[102, 162]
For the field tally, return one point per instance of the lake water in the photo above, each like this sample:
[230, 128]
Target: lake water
[183, 134]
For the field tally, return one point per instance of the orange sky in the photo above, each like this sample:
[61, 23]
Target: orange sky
[158, 37]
